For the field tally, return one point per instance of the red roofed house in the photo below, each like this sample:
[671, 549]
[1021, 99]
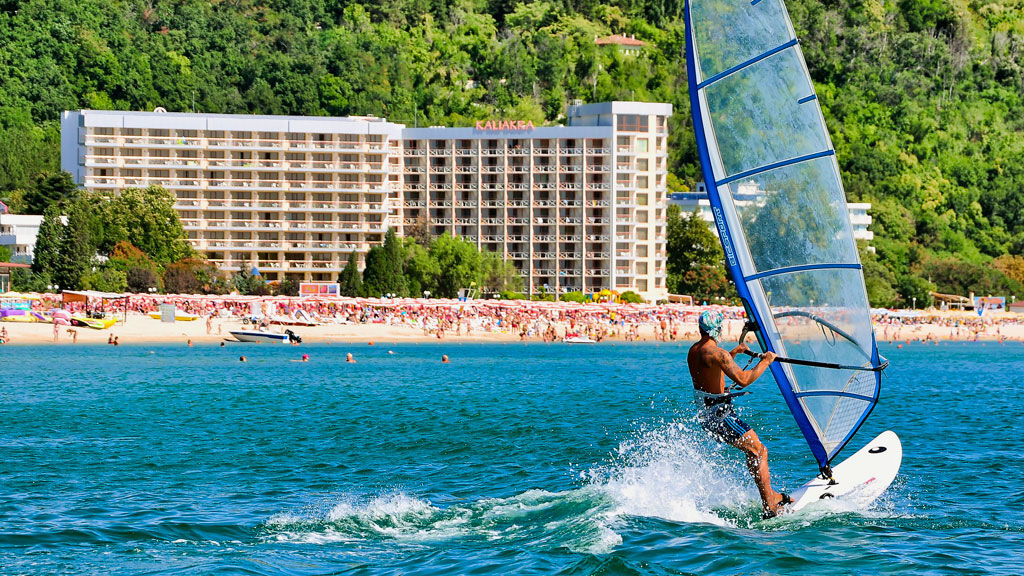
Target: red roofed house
[627, 44]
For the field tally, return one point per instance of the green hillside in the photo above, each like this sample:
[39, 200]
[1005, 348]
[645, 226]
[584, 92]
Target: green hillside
[923, 97]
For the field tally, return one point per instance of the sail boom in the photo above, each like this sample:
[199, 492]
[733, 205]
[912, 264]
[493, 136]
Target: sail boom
[842, 394]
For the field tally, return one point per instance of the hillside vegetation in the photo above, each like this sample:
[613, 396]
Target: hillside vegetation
[923, 97]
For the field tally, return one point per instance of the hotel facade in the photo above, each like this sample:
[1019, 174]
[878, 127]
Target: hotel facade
[575, 207]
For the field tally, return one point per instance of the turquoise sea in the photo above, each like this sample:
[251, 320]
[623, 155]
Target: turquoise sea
[513, 459]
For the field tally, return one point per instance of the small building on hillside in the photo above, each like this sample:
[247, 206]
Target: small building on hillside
[628, 45]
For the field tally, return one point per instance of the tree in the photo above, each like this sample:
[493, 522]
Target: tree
[421, 269]
[375, 274]
[420, 231]
[630, 297]
[499, 275]
[384, 272]
[105, 280]
[394, 261]
[147, 219]
[46, 255]
[139, 280]
[287, 287]
[77, 246]
[192, 276]
[460, 265]
[349, 281]
[250, 284]
[695, 263]
[50, 189]
[1012, 265]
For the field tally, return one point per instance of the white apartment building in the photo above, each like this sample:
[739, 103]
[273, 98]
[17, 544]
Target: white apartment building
[577, 207]
[690, 201]
[18, 232]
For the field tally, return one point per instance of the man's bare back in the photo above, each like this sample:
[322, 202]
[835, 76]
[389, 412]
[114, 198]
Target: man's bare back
[709, 365]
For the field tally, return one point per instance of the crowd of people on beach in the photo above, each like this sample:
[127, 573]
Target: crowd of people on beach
[524, 320]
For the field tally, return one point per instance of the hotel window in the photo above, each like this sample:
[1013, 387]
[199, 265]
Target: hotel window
[632, 123]
[641, 181]
[641, 164]
[641, 145]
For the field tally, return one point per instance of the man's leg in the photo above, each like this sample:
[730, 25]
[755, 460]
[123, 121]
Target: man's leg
[757, 463]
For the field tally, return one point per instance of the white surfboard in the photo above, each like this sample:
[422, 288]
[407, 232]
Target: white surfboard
[859, 479]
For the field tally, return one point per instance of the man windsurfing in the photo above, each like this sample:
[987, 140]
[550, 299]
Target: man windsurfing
[709, 365]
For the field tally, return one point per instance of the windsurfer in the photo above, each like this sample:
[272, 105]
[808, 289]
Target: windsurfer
[709, 365]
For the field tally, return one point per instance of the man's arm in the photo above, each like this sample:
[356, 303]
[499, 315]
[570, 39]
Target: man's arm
[739, 349]
[742, 377]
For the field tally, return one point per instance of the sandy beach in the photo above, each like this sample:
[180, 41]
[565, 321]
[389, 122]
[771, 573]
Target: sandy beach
[139, 328]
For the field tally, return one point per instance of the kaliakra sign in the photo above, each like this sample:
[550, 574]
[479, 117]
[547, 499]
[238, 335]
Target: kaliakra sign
[503, 125]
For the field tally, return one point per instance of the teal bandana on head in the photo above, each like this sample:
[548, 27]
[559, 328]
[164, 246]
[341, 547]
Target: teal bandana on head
[710, 321]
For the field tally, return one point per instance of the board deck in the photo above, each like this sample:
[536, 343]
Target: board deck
[859, 479]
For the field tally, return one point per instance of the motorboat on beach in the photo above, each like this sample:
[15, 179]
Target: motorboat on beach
[96, 322]
[574, 338]
[263, 336]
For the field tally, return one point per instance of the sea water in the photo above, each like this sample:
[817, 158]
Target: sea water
[512, 459]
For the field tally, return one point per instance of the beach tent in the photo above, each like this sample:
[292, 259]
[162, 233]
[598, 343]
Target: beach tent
[89, 296]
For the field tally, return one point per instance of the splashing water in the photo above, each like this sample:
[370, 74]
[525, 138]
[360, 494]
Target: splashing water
[674, 472]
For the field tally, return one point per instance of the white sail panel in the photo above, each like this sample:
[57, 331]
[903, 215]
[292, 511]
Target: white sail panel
[781, 211]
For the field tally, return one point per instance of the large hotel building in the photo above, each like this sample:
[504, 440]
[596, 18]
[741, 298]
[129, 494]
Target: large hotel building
[576, 207]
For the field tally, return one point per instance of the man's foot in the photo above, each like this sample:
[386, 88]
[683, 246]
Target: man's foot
[776, 509]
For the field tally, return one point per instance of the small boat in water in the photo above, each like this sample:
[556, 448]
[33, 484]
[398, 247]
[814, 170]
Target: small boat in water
[262, 336]
[578, 339]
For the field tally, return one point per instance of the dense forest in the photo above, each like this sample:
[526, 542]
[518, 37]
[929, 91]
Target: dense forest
[924, 98]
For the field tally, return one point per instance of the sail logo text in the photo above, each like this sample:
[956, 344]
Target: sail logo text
[723, 233]
[504, 125]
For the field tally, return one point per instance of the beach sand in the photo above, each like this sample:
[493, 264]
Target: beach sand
[141, 329]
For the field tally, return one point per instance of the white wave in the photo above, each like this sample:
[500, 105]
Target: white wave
[532, 518]
[399, 508]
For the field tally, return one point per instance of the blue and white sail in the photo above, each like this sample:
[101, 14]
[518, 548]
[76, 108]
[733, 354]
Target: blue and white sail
[781, 214]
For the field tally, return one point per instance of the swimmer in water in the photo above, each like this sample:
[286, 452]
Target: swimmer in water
[349, 358]
[444, 359]
[241, 359]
